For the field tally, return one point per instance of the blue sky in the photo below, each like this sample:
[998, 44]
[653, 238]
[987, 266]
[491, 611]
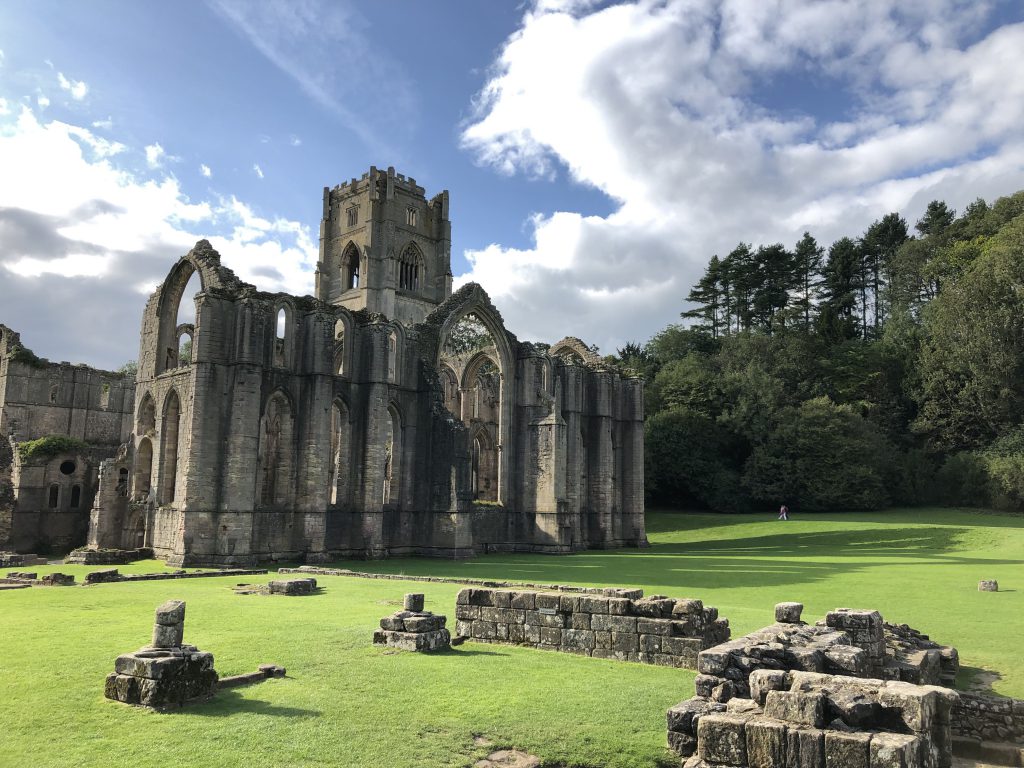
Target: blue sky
[597, 153]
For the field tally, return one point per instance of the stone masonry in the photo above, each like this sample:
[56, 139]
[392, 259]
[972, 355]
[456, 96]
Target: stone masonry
[621, 625]
[167, 673]
[413, 629]
[45, 497]
[385, 415]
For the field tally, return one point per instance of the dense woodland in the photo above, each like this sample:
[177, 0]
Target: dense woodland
[886, 368]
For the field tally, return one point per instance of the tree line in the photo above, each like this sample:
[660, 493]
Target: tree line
[885, 369]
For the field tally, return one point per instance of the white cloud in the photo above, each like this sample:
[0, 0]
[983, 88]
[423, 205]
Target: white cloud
[204, 170]
[295, 141]
[83, 238]
[257, 170]
[154, 155]
[105, 125]
[665, 106]
[77, 88]
[42, 101]
[5, 109]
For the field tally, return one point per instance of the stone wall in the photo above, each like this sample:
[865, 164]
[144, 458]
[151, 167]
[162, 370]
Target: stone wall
[989, 718]
[619, 625]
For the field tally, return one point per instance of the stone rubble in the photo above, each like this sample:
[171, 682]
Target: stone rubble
[305, 586]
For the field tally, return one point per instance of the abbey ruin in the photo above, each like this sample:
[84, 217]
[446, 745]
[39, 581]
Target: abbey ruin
[385, 415]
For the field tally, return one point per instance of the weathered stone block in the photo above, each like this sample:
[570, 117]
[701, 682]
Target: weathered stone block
[393, 623]
[590, 604]
[846, 660]
[894, 750]
[516, 634]
[414, 641]
[619, 606]
[168, 635]
[805, 748]
[484, 630]
[578, 640]
[688, 607]
[684, 716]
[550, 636]
[502, 599]
[613, 623]
[424, 623]
[766, 742]
[714, 661]
[525, 601]
[654, 626]
[721, 739]
[763, 680]
[292, 586]
[788, 613]
[549, 601]
[579, 621]
[683, 744]
[569, 603]
[413, 601]
[796, 707]
[463, 597]
[988, 585]
[847, 749]
[467, 612]
[917, 705]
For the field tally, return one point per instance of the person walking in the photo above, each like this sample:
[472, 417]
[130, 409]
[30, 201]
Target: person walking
[783, 512]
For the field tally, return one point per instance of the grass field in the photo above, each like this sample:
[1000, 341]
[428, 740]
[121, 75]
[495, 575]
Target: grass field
[346, 703]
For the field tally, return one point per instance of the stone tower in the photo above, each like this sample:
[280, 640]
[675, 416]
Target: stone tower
[384, 247]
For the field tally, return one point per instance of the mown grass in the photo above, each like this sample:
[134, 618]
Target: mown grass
[347, 703]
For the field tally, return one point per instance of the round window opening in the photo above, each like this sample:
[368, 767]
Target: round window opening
[67, 467]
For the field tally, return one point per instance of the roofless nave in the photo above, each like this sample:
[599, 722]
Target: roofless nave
[386, 415]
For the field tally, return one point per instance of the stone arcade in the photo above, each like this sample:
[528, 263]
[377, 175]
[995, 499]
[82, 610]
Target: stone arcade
[384, 416]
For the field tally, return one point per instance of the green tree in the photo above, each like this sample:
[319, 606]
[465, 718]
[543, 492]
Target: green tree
[822, 457]
[807, 260]
[774, 276]
[841, 282]
[710, 299]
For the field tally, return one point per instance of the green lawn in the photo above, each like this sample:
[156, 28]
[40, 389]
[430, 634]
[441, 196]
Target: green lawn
[347, 703]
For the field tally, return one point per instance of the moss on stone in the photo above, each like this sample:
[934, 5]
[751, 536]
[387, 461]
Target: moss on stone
[49, 446]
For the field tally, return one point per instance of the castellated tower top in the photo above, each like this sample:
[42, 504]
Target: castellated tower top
[384, 247]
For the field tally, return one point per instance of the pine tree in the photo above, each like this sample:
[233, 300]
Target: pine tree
[807, 258]
[707, 295]
[841, 284]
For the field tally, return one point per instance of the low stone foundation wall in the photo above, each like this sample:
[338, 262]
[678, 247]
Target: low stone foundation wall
[87, 556]
[113, 577]
[655, 630]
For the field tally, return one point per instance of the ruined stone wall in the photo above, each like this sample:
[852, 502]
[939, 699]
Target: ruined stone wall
[44, 501]
[621, 625]
[989, 718]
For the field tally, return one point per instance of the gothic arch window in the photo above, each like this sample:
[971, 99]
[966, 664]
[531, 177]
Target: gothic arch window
[54, 496]
[350, 267]
[185, 334]
[76, 496]
[143, 470]
[147, 415]
[410, 268]
[169, 447]
[339, 347]
[485, 467]
[340, 454]
[275, 465]
[450, 387]
[282, 332]
[392, 467]
[393, 356]
[177, 316]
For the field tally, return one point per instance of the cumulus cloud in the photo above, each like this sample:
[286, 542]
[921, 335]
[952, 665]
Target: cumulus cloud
[82, 241]
[699, 119]
[204, 170]
[42, 101]
[257, 170]
[77, 88]
[104, 125]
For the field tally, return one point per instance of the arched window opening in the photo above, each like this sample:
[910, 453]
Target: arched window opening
[275, 466]
[54, 496]
[184, 348]
[392, 457]
[450, 386]
[350, 267]
[143, 470]
[169, 448]
[339, 347]
[76, 496]
[485, 468]
[340, 466]
[392, 356]
[54, 391]
[280, 335]
[410, 268]
[184, 313]
[471, 352]
[147, 415]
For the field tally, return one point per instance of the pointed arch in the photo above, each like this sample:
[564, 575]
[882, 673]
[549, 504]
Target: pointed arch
[484, 466]
[275, 467]
[350, 267]
[169, 431]
[450, 388]
[339, 492]
[574, 349]
[411, 268]
[283, 334]
[393, 447]
[143, 476]
[472, 299]
[342, 343]
[146, 422]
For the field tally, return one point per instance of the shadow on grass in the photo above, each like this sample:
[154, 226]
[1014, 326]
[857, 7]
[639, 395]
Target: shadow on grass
[232, 702]
[789, 556]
